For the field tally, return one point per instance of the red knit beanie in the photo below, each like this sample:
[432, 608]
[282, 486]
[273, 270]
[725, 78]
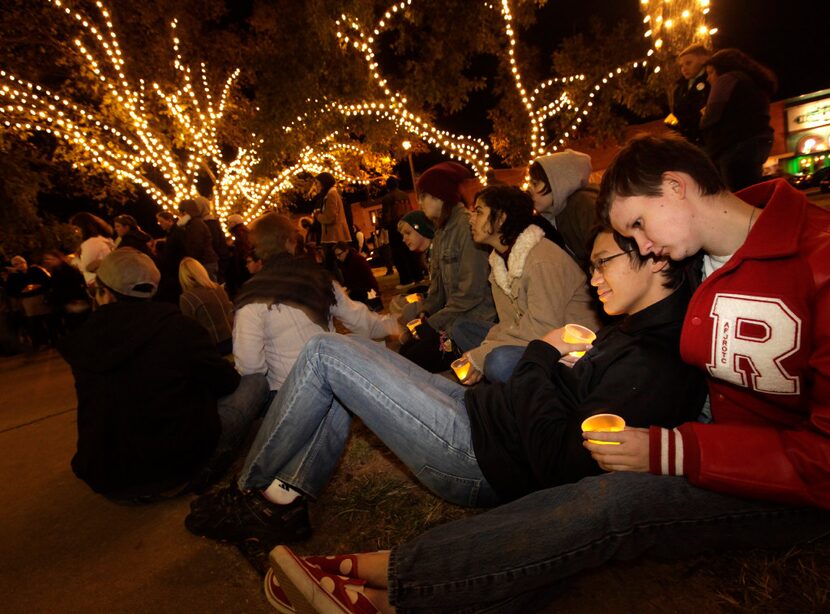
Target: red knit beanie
[443, 181]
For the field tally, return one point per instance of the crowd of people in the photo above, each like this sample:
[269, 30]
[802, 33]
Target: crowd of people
[706, 290]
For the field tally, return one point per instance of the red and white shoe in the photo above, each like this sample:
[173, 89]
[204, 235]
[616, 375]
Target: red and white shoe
[276, 596]
[312, 590]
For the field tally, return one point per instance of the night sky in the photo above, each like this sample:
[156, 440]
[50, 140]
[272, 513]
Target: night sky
[790, 37]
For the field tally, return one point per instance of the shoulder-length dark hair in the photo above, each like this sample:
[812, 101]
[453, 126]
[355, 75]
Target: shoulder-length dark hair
[727, 60]
[90, 225]
[515, 204]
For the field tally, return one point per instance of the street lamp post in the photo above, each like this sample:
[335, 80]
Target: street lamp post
[408, 148]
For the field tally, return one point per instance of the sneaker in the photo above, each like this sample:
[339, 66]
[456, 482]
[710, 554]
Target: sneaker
[235, 516]
[312, 590]
[276, 596]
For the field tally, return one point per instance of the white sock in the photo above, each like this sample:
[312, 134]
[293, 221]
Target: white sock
[280, 493]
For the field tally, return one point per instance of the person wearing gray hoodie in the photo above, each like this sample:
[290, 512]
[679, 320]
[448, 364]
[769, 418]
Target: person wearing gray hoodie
[562, 195]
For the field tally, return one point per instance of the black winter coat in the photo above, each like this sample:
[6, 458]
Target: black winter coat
[147, 380]
[526, 433]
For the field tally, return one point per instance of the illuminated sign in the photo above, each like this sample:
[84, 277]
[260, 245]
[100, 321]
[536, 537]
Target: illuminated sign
[810, 115]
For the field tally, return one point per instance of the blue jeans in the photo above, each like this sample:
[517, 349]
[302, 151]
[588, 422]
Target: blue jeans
[506, 558]
[239, 409]
[421, 417]
[468, 333]
[501, 362]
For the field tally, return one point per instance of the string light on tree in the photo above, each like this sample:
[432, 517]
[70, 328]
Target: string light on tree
[674, 24]
[127, 133]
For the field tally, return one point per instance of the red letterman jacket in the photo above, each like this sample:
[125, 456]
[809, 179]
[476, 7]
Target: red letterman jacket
[760, 328]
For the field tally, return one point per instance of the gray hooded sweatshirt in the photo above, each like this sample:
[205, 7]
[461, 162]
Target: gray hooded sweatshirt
[573, 212]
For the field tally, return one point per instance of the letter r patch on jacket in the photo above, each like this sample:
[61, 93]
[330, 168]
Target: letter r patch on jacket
[751, 337]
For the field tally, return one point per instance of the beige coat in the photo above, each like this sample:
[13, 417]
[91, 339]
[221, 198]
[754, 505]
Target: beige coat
[332, 219]
[540, 289]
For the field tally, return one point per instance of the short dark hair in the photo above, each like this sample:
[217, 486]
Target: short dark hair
[537, 173]
[516, 204]
[674, 272]
[166, 215]
[695, 49]
[638, 169]
[269, 234]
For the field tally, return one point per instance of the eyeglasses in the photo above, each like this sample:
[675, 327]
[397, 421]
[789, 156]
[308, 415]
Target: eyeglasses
[599, 263]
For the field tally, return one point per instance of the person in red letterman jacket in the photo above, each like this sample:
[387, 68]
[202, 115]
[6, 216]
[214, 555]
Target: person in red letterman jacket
[756, 473]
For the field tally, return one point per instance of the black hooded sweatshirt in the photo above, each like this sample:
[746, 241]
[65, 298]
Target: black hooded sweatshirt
[147, 380]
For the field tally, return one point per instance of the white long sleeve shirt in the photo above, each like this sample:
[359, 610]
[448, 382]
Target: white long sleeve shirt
[268, 339]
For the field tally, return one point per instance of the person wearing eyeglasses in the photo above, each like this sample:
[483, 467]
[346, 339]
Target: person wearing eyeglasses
[478, 446]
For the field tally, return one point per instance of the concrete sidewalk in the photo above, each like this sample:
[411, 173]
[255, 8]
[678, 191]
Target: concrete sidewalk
[65, 549]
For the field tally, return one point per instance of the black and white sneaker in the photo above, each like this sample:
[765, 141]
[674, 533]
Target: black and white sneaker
[234, 516]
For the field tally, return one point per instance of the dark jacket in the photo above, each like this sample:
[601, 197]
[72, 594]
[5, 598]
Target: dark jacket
[198, 242]
[688, 101]
[169, 254]
[737, 110]
[526, 433]
[137, 239]
[357, 274]
[147, 380]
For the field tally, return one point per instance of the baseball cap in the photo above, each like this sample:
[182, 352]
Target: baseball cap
[129, 272]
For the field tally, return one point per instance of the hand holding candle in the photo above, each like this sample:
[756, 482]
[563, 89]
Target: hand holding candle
[461, 367]
[603, 423]
[574, 333]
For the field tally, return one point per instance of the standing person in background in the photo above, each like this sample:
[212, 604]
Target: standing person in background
[169, 253]
[206, 302]
[240, 251]
[130, 234]
[28, 286]
[96, 243]
[67, 295]
[332, 218]
[690, 92]
[219, 242]
[736, 123]
[561, 194]
[198, 240]
[458, 271]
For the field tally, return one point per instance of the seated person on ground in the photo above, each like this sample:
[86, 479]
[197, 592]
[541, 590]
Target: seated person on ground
[458, 271]
[755, 477]
[360, 282]
[536, 285]
[206, 302]
[417, 233]
[562, 195]
[479, 446]
[158, 407]
[287, 302]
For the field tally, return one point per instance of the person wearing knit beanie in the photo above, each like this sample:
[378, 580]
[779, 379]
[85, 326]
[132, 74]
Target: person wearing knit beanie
[561, 194]
[439, 190]
[420, 223]
[458, 271]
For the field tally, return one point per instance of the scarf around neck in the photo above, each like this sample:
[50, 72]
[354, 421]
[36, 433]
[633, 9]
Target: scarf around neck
[294, 281]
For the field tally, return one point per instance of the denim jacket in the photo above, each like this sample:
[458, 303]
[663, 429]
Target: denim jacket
[458, 275]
